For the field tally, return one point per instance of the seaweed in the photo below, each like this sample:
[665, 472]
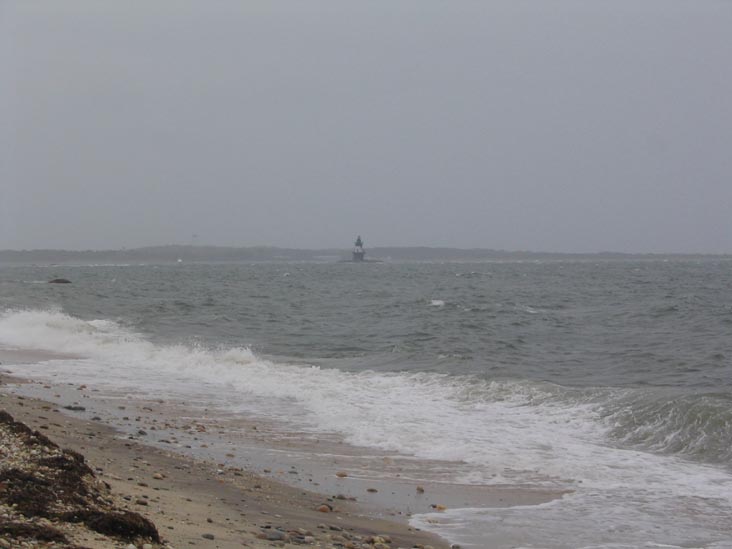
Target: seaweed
[61, 487]
[125, 525]
[29, 436]
[32, 495]
[69, 461]
[32, 531]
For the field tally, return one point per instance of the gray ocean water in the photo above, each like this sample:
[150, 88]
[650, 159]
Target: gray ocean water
[611, 378]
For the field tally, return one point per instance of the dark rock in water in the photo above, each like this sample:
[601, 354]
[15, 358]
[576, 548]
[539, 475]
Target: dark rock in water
[59, 281]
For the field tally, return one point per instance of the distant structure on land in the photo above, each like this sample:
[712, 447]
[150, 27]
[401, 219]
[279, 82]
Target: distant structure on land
[358, 251]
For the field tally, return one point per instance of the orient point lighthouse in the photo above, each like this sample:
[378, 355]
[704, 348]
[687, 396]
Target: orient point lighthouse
[358, 251]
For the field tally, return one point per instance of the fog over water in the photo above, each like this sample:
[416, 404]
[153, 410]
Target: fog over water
[550, 126]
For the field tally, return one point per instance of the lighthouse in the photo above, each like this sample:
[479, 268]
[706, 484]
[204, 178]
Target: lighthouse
[358, 251]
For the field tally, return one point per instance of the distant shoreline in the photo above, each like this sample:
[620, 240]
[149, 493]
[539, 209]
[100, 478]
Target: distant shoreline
[213, 254]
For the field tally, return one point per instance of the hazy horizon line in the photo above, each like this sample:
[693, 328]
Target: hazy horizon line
[344, 249]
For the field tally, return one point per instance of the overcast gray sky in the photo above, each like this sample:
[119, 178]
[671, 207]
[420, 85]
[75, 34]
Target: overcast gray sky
[547, 125]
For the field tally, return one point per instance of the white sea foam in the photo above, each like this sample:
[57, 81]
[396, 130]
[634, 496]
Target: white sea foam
[587, 520]
[505, 431]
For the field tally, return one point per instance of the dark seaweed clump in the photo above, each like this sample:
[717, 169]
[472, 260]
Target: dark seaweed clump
[30, 531]
[120, 524]
[61, 487]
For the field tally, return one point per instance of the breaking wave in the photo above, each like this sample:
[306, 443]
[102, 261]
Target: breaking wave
[638, 452]
[411, 412]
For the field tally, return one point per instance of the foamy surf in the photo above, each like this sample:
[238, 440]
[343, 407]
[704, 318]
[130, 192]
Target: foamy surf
[513, 432]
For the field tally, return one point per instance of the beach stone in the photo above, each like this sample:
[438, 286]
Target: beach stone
[75, 408]
[276, 535]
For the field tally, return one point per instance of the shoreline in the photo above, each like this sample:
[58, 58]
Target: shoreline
[196, 502]
[251, 476]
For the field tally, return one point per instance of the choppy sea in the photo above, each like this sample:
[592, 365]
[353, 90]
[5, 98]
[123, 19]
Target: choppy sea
[610, 380]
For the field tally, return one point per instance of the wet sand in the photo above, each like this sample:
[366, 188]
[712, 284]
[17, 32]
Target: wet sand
[204, 489]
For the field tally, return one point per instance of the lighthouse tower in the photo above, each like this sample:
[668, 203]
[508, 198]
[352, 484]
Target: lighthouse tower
[358, 251]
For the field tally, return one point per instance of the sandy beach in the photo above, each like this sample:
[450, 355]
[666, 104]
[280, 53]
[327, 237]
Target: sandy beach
[191, 502]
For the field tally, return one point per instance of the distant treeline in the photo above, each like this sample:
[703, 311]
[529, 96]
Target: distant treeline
[172, 253]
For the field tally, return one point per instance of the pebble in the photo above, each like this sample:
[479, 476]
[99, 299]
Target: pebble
[276, 535]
